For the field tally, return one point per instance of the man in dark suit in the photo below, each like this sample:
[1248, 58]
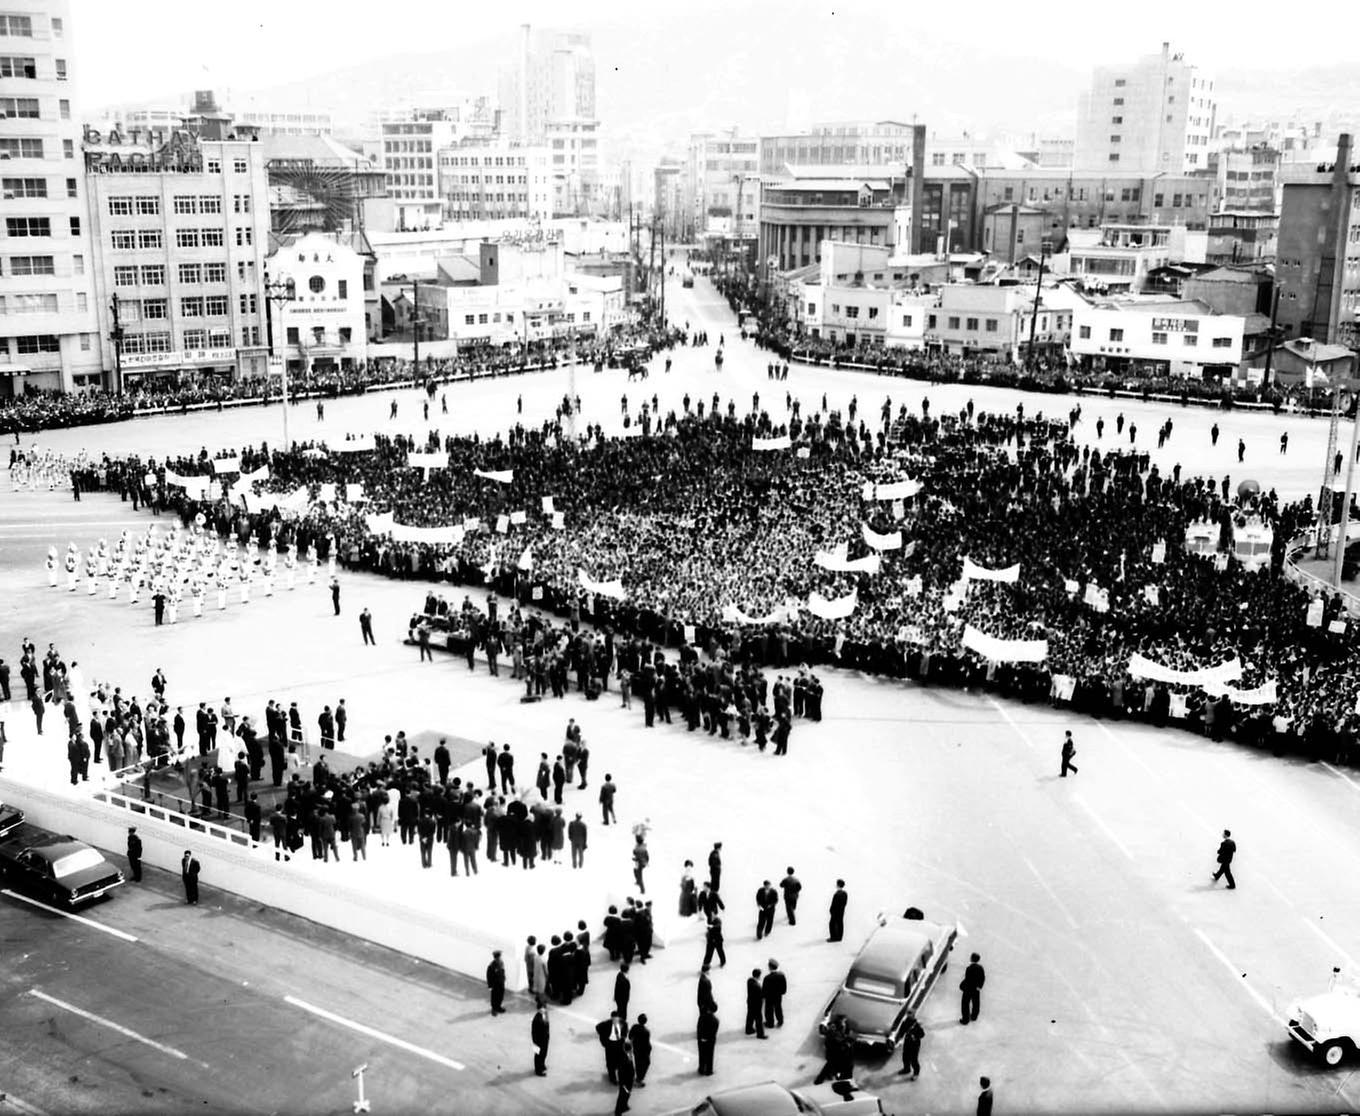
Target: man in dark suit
[538, 1033]
[715, 866]
[495, 980]
[134, 854]
[706, 1034]
[713, 942]
[836, 926]
[641, 1038]
[576, 835]
[974, 977]
[767, 899]
[612, 1033]
[627, 1075]
[984, 1105]
[755, 1024]
[912, 1034]
[1227, 849]
[790, 885]
[773, 989]
[1069, 751]
[443, 760]
[623, 990]
[704, 997]
[189, 873]
[179, 726]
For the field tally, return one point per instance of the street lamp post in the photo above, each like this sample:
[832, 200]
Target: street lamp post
[279, 291]
[116, 336]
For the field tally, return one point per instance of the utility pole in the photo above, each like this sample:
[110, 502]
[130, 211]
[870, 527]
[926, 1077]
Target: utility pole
[1270, 337]
[116, 336]
[1038, 294]
[651, 257]
[1346, 501]
[279, 291]
[663, 276]
[415, 320]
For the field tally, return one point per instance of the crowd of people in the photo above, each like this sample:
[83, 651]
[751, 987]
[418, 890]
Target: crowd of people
[46, 410]
[713, 543]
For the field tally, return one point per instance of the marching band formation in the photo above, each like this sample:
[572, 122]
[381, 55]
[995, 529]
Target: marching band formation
[183, 566]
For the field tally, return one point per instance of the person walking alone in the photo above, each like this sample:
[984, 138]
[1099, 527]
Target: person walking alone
[539, 1033]
[134, 854]
[1227, 849]
[189, 873]
[1069, 751]
[366, 627]
[836, 923]
[495, 980]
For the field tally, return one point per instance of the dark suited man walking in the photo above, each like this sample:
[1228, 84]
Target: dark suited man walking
[974, 977]
[836, 925]
[790, 885]
[538, 1034]
[189, 872]
[767, 899]
[366, 627]
[1069, 751]
[1227, 849]
[641, 1038]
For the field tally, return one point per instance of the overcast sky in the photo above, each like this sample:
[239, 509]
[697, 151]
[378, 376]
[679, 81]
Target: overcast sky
[131, 50]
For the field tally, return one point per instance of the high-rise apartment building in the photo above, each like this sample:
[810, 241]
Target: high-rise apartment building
[49, 334]
[180, 230]
[1153, 115]
[862, 143]
[548, 97]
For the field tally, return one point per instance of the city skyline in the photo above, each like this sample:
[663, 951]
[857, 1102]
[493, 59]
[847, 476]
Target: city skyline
[735, 78]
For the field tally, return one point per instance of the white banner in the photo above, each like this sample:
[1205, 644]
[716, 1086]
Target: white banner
[504, 476]
[354, 493]
[873, 539]
[837, 561]
[1005, 650]
[833, 610]
[1267, 694]
[296, 500]
[519, 518]
[227, 465]
[784, 442]
[327, 493]
[194, 487]
[1314, 616]
[428, 460]
[502, 524]
[1141, 667]
[1159, 552]
[601, 588]
[362, 444]
[526, 560]
[260, 474]
[973, 572]
[548, 508]
[1097, 598]
[559, 520]
[381, 524]
[890, 490]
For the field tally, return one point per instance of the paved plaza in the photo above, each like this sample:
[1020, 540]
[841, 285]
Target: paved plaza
[1118, 978]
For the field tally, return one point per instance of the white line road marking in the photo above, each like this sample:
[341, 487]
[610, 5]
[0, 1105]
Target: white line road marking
[1005, 716]
[1128, 751]
[1105, 829]
[112, 1026]
[1241, 980]
[9, 1100]
[684, 1054]
[73, 917]
[1072, 922]
[1343, 776]
[401, 1044]
[1109, 1037]
[1316, 929]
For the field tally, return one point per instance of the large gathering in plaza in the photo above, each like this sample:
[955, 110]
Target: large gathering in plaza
[469, 575]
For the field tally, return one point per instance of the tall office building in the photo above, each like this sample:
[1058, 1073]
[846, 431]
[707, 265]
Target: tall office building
[49, 335]
[1318, 257]
[1153, 115]
[548, 97]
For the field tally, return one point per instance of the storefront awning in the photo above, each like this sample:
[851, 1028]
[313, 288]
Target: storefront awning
[15, 370]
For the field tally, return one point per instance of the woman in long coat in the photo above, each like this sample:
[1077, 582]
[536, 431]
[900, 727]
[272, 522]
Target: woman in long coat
[387, 820]
[688, 905]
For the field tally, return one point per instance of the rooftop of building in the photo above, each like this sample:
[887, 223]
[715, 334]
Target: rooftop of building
[1317, 351]
[320, 150]
[1230, 274]
[833, 184]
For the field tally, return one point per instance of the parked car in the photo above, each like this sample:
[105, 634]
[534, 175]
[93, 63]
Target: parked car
[836, 1098]
[892, 975]
[57, 870]
[11, 817]
[1328, 1025]
[687, 281]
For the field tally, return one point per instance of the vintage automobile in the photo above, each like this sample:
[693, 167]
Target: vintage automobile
[836, 1098]
[1328, 1025]
[57, 870]
[11, 817]
[892, 975]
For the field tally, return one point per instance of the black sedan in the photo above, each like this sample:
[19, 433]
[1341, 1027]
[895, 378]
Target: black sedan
[57, 870]
[11, 817]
